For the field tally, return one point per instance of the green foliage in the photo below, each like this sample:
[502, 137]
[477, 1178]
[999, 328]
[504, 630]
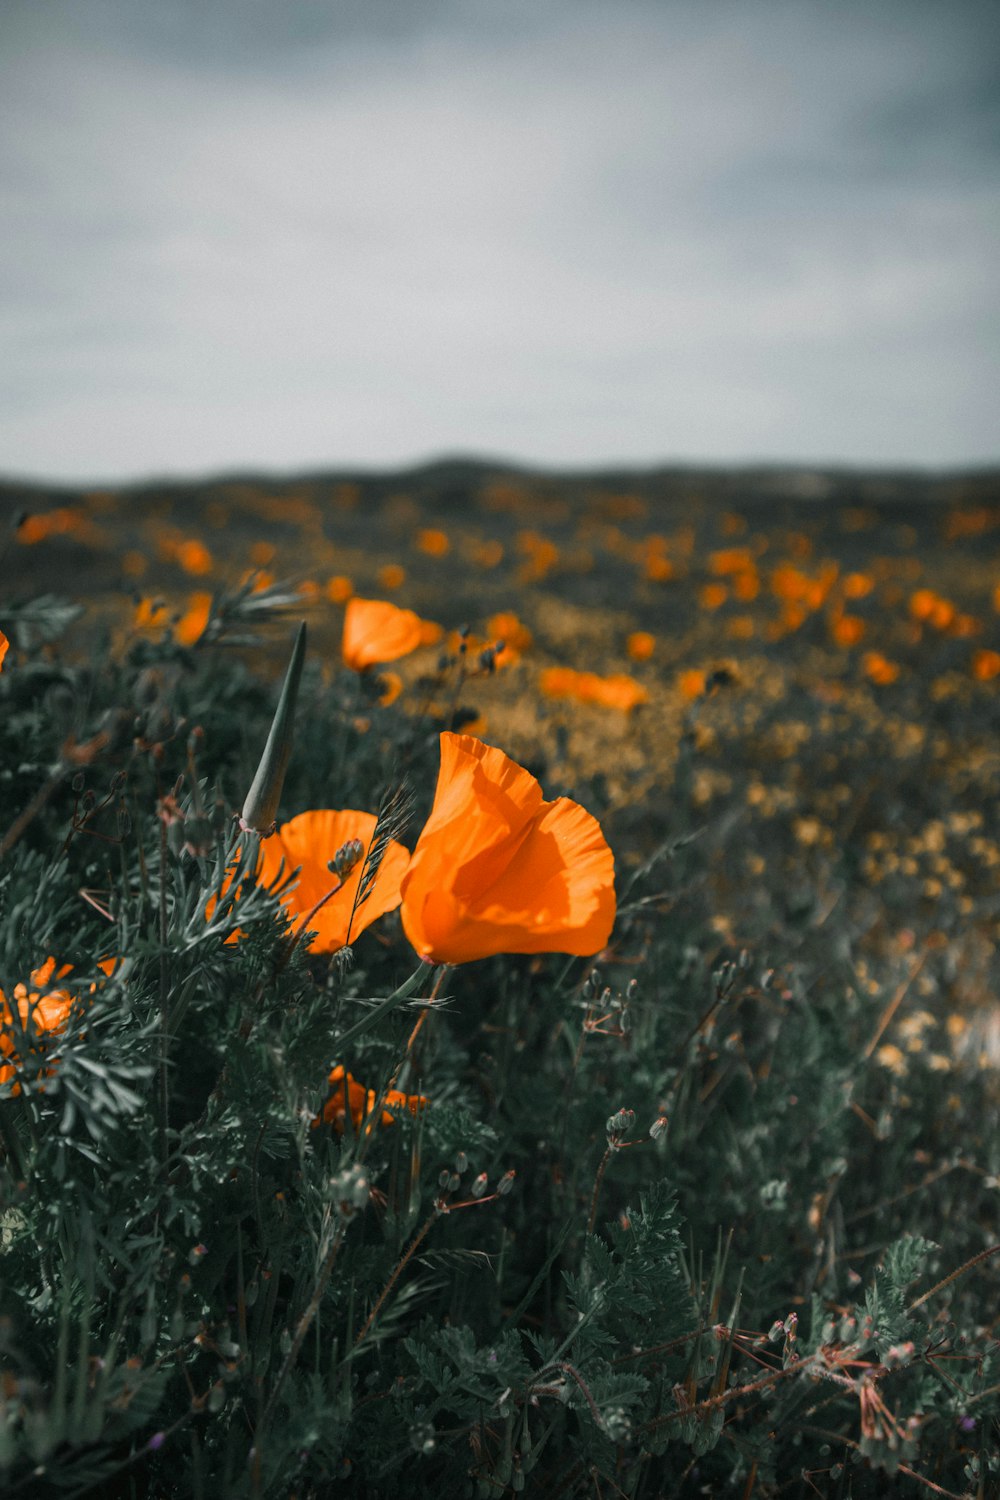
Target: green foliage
[660, 1230]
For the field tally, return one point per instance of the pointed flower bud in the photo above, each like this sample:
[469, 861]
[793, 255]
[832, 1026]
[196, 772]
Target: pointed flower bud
[346, 857]
[261, 806]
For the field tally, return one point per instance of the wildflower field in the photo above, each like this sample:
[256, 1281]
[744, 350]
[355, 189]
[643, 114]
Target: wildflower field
[498, 987]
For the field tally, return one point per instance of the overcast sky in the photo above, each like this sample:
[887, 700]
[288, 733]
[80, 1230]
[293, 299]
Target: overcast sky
[288, 234]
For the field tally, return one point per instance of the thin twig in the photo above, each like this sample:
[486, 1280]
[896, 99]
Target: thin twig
[401, 1264]
[954, 1275]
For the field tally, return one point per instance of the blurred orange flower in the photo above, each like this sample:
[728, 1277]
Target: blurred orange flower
[191, 625]
[640, 645]
[691, 684]
[712, 595]
[57, 522]
[311, 841]
[351, 1097]
[730, 560]
[194, 557]
[858, 585]
[499, 870]
[392, 686]
[658, 569]
[376, 631]
[617, 691]
[462, 643]
[391, 576]
[985, 665]
[433, 542]
[847, 630]
[878, 669]
[150, 614]
[4, 646]
[506, 627]
[40, 1010]
[490, 554]
[339, 589]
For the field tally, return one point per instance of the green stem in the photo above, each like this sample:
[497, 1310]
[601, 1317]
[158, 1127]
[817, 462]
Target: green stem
[386, 1006]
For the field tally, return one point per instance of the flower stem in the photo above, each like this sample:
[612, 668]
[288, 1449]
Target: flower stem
[384, 1007]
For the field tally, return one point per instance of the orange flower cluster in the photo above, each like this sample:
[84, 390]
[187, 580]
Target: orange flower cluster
[351, 1098]
[616, 691]
[57, 522]
[42, 1012]
[155, 614]
[878, 669]
[499, 870]
[931, 609]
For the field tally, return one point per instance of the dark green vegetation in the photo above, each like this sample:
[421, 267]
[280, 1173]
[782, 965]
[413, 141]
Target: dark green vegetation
[748, 1248]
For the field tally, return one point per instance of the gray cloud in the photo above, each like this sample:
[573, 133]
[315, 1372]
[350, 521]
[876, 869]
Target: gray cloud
[299, 234]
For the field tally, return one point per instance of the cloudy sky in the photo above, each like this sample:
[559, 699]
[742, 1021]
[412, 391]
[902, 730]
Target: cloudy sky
[297, 233]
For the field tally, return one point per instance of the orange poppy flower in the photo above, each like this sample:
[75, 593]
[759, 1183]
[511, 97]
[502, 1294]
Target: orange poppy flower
[194, 557]
[434, 542]
[46, 1010]
[658, 569]
[712, 595]
[376, 631]
[878, 669]
[692, 683]
[499, 870]
[191, 626]
[985, 665]
[506, 627]
[847, 630]
[349, 1096]
[4, 644]
[311, 840]
[640, 645]
[339, 589]
[617, 691]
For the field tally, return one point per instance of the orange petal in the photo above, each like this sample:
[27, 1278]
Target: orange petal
[499, 870]
[376, 631]
[310, 841]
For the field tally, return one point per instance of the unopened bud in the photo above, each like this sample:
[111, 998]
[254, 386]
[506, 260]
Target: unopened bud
[506, 1183]
[479, 1186]
[260, 809]
[346, 857]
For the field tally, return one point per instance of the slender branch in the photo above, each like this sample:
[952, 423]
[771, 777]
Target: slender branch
[954, 1275]
[304, 1325]
[401, 1264]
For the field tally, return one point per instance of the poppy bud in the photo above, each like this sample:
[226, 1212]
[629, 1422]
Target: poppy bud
[261, 806]
[346, 857]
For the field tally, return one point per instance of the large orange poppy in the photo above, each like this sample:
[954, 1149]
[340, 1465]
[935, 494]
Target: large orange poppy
[376, 631]
[311, 840]
[499, 870]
